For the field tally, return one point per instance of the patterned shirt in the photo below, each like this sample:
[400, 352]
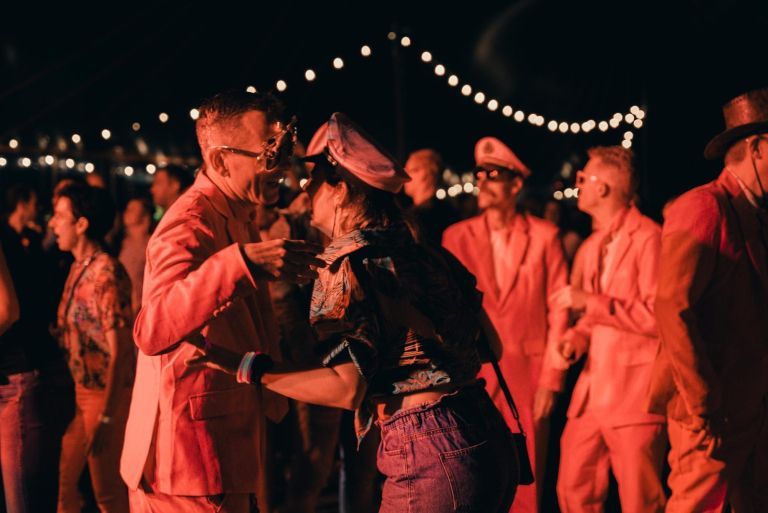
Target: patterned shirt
[404, 314]
[96, 299]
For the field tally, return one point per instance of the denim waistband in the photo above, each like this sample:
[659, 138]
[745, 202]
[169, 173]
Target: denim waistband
[470, 404]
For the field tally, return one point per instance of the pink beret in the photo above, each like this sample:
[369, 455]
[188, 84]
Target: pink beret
[490, 152]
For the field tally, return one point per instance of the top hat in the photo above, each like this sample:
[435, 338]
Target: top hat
[744, 115]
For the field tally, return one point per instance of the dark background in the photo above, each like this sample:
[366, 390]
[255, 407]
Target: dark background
[67, 68]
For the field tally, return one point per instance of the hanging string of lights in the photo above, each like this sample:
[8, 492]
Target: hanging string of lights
[634, 117]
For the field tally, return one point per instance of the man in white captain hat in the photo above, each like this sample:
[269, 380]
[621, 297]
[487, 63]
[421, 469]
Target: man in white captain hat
[518, 262]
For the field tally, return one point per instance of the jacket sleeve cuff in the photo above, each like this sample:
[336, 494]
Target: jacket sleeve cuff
[599, 306]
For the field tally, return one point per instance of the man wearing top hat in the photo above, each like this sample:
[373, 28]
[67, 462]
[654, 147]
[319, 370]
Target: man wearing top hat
[518, 262]
[711, 374]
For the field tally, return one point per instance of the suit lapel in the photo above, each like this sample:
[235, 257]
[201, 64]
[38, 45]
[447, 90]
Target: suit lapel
[624, 234]
[484, 253]
[520, 241]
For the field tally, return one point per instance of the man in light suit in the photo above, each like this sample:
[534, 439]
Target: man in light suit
[518, 262]
[711, 375]
[194, 439]
[608, 428]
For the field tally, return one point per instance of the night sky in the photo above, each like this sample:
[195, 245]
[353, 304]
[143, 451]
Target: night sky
[67, 68]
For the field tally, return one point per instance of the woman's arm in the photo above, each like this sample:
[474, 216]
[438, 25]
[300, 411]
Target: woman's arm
[339, 386]
[9, 304]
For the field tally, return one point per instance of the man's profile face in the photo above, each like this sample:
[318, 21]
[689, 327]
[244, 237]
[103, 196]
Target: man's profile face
[164, 189]
[423, 173]
[246, 176]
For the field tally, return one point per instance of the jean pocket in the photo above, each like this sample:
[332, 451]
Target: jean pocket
[476, 480]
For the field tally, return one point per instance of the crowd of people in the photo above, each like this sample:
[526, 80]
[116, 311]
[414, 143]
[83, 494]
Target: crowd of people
[220, 345]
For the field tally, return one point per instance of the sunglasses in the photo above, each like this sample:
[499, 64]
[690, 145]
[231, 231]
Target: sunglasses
[276, 150]
[496, 175]
[582, 178]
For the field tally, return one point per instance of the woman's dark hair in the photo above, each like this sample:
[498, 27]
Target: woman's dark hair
[95, 205]
[380, 209]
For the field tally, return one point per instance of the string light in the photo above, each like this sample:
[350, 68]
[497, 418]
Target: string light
[3, 162]
[128, 171]
[70, 163]
[151, 168]
[440, 194]
[89, 167]
[634, 117]
[26, 162]
[626, 143]
[49, 160]
[558, 195]
[13, 143]
[628, 135]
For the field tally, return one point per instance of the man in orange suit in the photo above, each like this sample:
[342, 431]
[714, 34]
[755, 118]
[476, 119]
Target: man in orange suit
[608, 427]
[711, 375]
[518, 262]
[194, 439]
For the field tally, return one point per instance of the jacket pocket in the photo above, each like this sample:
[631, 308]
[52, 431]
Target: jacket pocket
[220, 403]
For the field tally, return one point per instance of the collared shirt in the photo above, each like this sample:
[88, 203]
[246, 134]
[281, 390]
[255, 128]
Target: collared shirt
[96, 299]
[611, 238]
[370, 273]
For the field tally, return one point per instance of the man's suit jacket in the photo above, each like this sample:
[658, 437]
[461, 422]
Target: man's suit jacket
[520, 309]
[196, 431]
[712, 305]
[618, 325]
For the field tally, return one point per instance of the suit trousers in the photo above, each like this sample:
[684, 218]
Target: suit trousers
[591, 447]
[710, 470]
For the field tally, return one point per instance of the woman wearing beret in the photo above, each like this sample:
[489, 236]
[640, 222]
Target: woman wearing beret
[397, 325]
